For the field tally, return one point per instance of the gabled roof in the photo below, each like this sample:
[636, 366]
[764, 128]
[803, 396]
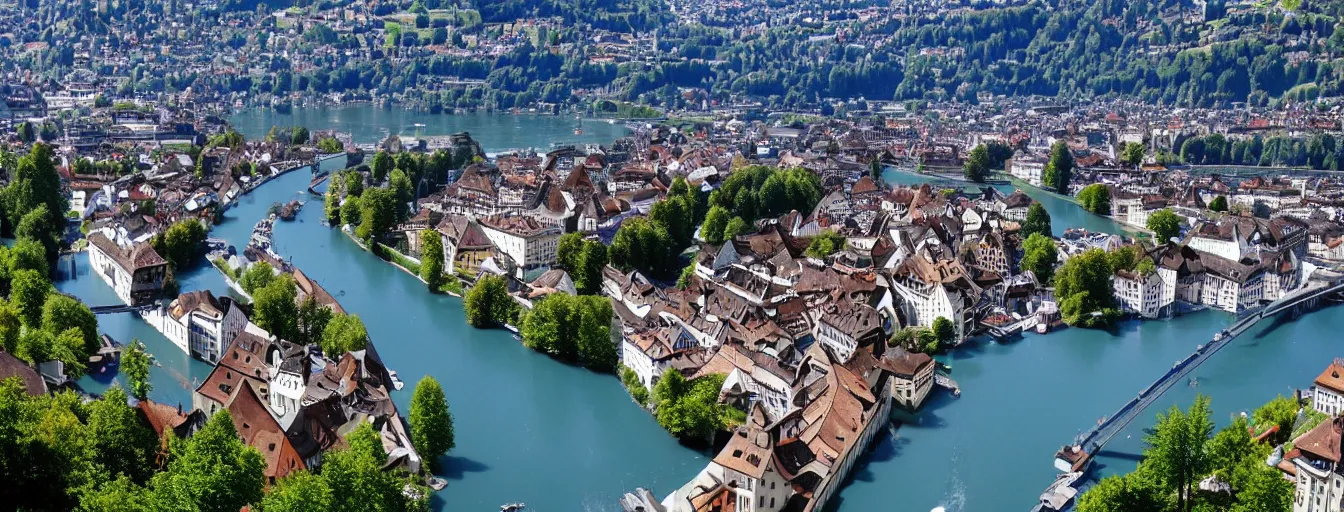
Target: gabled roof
[258, 429]
[11, 366]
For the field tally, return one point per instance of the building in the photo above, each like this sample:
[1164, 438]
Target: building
[135, 272]
[1320, 476]
[527, 241]
[1027, 169]
[847, 327]
[198, 323]
[1140, 294]
[1327, 395]
[911, 377]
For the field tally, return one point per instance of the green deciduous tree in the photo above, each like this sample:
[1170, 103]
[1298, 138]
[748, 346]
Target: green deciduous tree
[382, 166]
[944, 331]
[691, 409]
[1059, 169]
[1280, 412]
[1129, 493]
[377, 215]
[313, 320]
[715, 222]
[275, 308]
[1164, 224]
[61, 312]
[299, 491]
[35, 183]
[1039, 255]
[1095, 198]
[1132, 154]
[431, 422]
[572, 328]
[977, 164]
[28, 293]
[215, 472]
[182, 244]
[356, 476]
[1176, 449]
[135, 364]
[1038, 221]
[643, 245]
[1218, 204]
[825, 244]
[1084, 290]
[488, 303]
[344, 333]
[257, 277]
[431, 259]
[122, 444]
[351, 211]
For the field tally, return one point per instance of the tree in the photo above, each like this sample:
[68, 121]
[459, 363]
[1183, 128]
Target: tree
[592, 260]
[402, 191]
[1218, 204]
[1095, 198]
[135, 364]
[1164, 224]
[715, 222]
[1176, 449]
[35, 225]
[1263, 488]
[28, 254]
[26, 132]
[119, 495]
[875, 169]
[330, 145]
[10, 327]
[28, 293]
[275, 308]
[1133, 153]
[356, 476]
[825, 244]
[35, 182]
[61, 312]
[351, 211]
[344, 333]
[944, 331]
[1038, 221]
[122, 444]
[382, 166]
[736, 227]
[976, 167]
[1039, 255]
[431, 423]
[299, 491]
[567, 251]
[353, 182]
[1059, 170]
[643, 245]
[687, 275]
[1281, 412]
[1084, 290]
[378, 214]
[257, 277]
[572, 328]
[487, 302]
[216, 472]
[300, 136]
[691, 409]
[431, 259]
[313, 320]
[182, 244]
[1121, 494]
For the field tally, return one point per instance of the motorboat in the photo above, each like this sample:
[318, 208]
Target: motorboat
[511, 507]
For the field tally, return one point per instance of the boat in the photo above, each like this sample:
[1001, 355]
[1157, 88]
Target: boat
[511, 507]
[1061, 492]
[397, 384]
[578, 131]
[1071, 459]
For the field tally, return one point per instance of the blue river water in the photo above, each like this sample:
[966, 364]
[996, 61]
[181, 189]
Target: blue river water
[561, 438]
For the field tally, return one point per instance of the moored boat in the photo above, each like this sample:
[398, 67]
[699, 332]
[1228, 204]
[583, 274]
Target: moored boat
[1061, 492]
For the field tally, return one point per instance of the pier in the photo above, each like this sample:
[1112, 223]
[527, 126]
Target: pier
[1095, 438]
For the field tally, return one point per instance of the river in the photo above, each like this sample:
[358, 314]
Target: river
[561, 438]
